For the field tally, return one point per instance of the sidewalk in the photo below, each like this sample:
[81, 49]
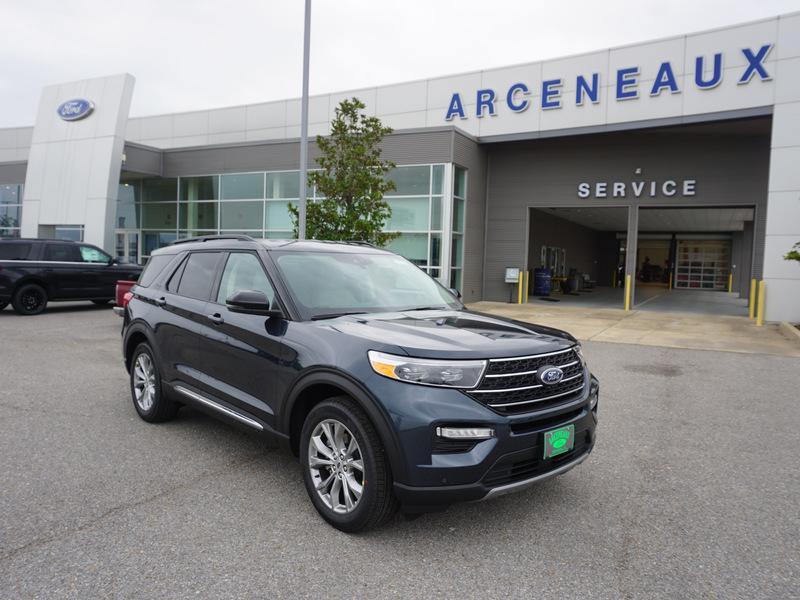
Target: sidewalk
[674, 330]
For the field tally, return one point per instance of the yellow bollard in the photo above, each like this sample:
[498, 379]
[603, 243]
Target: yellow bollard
[527, 286]
[670, 281]
[730, 282]
[753, 298]
[614, 279]
[760, 314]
[519, 286]
[627, 292]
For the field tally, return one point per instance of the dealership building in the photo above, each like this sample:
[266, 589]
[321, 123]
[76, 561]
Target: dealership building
[674, 164]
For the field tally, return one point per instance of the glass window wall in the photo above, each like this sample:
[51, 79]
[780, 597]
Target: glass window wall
[257, 204]
[10, 210]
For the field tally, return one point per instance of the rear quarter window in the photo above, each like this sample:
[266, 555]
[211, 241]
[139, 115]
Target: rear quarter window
[14, 251]
[154, 267]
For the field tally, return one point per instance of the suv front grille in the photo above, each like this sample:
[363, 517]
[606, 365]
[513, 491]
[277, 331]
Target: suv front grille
[510, 385]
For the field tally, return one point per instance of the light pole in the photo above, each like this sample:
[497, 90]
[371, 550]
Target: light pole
[301, 224]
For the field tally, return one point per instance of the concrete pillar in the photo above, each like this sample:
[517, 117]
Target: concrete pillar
[630, 253]
[783, 215]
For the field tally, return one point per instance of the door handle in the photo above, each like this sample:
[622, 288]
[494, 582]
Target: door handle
[161, 301]
[216, 318]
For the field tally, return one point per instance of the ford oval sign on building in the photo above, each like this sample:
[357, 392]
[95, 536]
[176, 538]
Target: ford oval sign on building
[74, 110]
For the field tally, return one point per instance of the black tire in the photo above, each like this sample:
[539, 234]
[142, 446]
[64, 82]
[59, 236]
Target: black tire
[101, 302]
[29, 299]
[377, 503]
[159, 407]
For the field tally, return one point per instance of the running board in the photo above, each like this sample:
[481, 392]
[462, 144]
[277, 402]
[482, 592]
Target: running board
[218, 407]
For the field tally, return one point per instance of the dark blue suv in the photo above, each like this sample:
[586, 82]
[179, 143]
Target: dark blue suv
[391, 393]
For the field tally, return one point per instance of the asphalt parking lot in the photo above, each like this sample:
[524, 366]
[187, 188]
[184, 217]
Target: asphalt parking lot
[692, 491]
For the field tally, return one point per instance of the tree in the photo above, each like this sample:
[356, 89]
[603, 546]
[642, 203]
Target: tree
[351, 180]
[794, 253]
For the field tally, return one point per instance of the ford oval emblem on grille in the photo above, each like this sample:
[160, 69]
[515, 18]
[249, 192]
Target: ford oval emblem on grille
[550, 375]
[74, 110]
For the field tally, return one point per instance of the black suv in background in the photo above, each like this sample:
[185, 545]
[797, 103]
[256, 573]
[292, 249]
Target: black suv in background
[389, 391]
[34, 272]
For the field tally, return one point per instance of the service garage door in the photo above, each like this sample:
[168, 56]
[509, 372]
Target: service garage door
[703, 264]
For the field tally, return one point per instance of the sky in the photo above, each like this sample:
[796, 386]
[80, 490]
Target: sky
[199, 54]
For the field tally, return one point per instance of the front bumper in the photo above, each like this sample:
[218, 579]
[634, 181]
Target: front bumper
[511, 461]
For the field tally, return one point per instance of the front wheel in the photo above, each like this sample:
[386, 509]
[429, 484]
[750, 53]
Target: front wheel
[345, 469]
[30, 299]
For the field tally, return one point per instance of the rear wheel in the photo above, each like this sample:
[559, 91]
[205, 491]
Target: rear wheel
[148, 399]
[345, 469]
[30, 299]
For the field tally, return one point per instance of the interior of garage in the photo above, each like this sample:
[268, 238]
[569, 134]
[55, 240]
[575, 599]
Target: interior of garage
[687, 259]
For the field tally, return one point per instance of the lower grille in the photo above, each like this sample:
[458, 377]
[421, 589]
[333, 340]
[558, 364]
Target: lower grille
[511, 385]
[530, 463]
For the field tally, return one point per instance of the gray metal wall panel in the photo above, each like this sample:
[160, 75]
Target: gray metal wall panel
[139, 159]
[729, 169]
[468, 154]
[402, 148]
[13, 172]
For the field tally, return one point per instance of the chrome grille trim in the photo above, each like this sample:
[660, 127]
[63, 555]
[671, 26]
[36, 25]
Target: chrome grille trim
[572, 391]
[574, 362]
[501, 390]
[527, 393]
[570, 349]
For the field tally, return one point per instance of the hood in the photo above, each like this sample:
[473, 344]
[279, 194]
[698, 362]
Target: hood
[451, 334]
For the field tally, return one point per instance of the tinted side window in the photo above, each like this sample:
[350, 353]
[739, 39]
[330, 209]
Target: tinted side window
[153, 268]
[14, 251]
[62, 253]
[243, 271]
[198, 275]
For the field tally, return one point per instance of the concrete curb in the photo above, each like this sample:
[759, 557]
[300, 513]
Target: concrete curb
[790, 331]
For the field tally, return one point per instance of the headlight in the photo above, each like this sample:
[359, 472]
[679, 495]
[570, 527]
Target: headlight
[446, 373]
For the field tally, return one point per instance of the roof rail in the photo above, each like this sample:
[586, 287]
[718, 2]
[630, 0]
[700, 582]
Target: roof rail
[357, 243]
[211, 238]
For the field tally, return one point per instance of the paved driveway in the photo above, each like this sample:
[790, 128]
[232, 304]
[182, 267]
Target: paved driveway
[691, 491]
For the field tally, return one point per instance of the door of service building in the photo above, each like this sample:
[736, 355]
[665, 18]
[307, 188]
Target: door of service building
[127, 245]
[703, 264]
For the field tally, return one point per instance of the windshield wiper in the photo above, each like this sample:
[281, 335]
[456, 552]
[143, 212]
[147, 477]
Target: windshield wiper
[339, 314]
[426, 308]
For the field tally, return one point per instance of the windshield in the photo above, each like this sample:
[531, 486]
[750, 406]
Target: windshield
[328, 284]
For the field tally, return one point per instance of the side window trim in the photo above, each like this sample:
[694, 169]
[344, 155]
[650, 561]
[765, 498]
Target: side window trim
[177, 271]
[218, 279]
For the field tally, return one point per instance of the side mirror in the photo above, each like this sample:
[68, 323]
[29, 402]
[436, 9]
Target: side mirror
[252, 302]
[455, 293]
[113, 261]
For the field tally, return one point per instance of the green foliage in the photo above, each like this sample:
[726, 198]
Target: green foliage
[794, 253]
[351, 180]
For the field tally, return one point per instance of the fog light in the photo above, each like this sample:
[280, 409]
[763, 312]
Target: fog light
[465, 433]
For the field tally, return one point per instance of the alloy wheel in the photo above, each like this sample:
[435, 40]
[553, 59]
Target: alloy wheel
[336, 466]
[144, 382]
[31, 300]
